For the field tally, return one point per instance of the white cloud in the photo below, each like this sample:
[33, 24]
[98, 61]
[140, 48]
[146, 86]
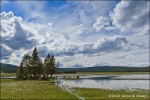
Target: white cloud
[131, 15]
[100, 23]
[69, 33]
[112, 44]
[17, 37]
[5, 51]
[110, 28]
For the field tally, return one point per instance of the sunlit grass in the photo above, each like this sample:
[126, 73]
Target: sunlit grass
[104, 94]
[7, 74]
[32, 89]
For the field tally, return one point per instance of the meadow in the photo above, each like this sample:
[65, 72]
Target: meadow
[104, 94]
[34, 89]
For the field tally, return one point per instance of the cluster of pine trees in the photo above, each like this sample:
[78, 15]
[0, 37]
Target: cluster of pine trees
[31, 67]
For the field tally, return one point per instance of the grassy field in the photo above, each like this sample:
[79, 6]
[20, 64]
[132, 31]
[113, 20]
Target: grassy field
[100, 94]
[7, 74]
[32, 89]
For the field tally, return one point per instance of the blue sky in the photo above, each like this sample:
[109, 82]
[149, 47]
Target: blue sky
[78, 33]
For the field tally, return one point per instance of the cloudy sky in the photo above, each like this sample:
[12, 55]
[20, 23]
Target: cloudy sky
[77, 33]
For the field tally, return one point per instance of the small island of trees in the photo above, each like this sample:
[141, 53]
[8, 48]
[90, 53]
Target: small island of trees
[31, 67]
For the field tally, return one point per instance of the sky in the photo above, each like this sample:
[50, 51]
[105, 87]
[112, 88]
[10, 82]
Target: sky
[78, 33]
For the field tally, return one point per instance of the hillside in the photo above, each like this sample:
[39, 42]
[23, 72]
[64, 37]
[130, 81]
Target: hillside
[107, 69]
[8, 68]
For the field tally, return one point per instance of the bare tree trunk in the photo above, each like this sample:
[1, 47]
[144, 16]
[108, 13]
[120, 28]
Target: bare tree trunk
[51, 75]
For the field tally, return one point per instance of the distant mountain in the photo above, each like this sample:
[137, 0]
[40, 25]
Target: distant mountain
[107, 69]
[8, 68]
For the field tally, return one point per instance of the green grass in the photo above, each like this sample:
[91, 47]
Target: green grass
[32, 89]
[92, 94]
[7, 74]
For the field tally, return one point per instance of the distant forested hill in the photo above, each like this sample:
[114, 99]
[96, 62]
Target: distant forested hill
[8, 68]
[107, 69]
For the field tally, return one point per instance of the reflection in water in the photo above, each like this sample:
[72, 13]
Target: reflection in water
[107, 82]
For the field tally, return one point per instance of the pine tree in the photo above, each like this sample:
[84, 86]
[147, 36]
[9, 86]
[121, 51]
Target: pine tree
[22, 70]
[47, 65]
[35, 64]
[19, 73]
[32, 66]
[26, 60]
[52, 65]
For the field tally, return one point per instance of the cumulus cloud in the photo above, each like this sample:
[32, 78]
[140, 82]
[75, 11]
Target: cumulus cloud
[131, 15]
[77, 65]
[111, 44]
[110, 28]
[71, 32]
[143, 64]
[88, 64]
[100, 23]
[104, 45]
[14, 35]
[5, 51]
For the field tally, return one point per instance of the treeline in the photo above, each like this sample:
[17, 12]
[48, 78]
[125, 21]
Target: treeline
[8, 68]
[107, 69]
[31, 67]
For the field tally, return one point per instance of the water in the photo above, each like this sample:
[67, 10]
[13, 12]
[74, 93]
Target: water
[110, 81]
[7, 77]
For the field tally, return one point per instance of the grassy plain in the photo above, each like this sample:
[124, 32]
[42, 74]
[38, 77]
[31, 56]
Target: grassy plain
[32, 89]
[7, 74]
[103, 94]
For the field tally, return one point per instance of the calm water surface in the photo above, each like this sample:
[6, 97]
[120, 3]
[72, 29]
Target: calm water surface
[110, 81]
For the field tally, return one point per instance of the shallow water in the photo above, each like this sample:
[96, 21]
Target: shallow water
[110, 82]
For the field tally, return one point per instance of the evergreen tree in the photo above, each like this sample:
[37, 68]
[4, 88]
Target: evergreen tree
[32, 67]
[22, 70]
[52, 65]
[19, 73]
[26, 60]
[47, 65]
[35, 64]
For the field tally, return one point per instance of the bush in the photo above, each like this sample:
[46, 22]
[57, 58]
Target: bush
[64, 77]
[77, 76]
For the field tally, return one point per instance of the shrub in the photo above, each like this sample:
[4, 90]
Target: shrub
[77, 76]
